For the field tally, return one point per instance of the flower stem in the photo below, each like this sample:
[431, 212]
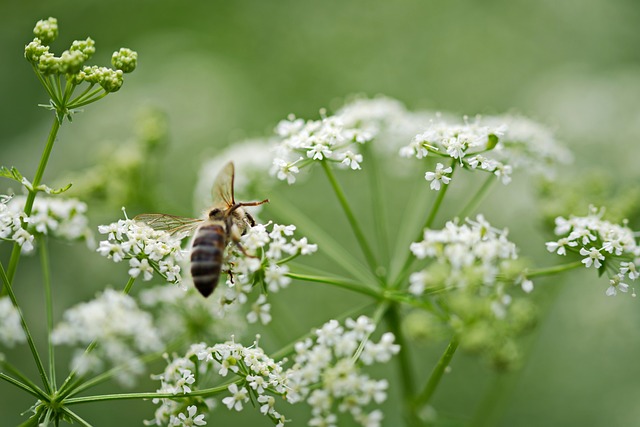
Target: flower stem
[404, 366]
[150, 395]
[404, 271]
[129, 285]
[46, 276]
[28, 206]
[25, 328]
[23, 386]
[329, 246]
[34, 389]
[353, 221]
[436, 375]
[478, 197]
[68, 387]
[380, 311]
[341, 283]
[378, 206]
[549, 271]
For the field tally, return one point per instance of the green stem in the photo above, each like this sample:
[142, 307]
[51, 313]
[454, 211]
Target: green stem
[478, 197]
[88, 101]
[405, 367]
[129, 285]
[341, 283]
[23, 378]
[436, 375]
[23, 386]
[151, 395]
[46, 273]
[98, 379]
[404, 271]
[76, 417]
[377, 205]
[380, 311]
[68, 387]
[25, 328]
[553, 270]
[28, 206]
[85, 95]
[328, 245]
[355, 226]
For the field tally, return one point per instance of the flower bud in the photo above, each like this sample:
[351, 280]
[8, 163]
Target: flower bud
[125, 60]
[87, 47]
[34, 50]
[46, 30]
[111, 80]
[49, 63]
[71, 61]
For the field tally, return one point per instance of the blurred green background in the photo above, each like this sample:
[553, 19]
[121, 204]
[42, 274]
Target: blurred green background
[223, 71]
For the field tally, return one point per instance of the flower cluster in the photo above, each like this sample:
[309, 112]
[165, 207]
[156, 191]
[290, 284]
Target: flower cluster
[147, 250]
[495, 145]
[11, 332]
[62, 218]
[469, 252]
[259, 378]
[302, 142]
[474, 264]
[270, 246]
[122, 329]
[327, 372]
[71, 63]
[603, 245]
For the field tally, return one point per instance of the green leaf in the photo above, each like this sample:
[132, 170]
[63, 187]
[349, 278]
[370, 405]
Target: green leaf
[12, 173]
[50, 190]
[492, 142]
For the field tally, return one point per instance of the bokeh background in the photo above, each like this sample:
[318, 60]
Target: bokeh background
[224, 71]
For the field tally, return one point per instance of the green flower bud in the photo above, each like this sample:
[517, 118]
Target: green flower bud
[34, 50]
[46, 30]
[125, 60]
[87, 47]
[71, 61]
[49, 63]
[111, 80]
[91, 74]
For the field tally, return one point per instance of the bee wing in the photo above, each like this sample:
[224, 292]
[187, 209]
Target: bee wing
[222, 190]
[170, 223]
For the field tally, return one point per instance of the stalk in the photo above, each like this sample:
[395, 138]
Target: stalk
[46, 275]
[436, 375]
[353, 221]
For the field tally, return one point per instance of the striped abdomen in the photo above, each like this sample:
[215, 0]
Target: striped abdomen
[206, 256]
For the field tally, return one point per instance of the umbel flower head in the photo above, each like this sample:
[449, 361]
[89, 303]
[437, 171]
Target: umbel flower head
[259, 379]
[71, 69]
[123, 330]
[604, 246]
[326, 376]
[148, 251]
[61, 218]
[473, 267]
[303, 142]
[493, 145]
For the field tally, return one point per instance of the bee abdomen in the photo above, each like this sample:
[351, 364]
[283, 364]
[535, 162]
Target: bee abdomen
[206, 257]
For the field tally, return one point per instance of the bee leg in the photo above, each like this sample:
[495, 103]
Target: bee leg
[230, 273]
[243, 250]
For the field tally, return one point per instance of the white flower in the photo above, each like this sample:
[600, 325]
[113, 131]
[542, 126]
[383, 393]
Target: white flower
[352, 160]
[616, 285]
[260, 310]
[114, 319]
[192, 419]
[11, 331]
[593, 256]
[237, 398]
[439, 176]
[147, 250]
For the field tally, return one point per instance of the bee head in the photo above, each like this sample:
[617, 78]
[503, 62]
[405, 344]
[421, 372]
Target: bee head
[215, 213]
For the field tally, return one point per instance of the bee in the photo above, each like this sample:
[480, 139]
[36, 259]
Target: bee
[225, 223]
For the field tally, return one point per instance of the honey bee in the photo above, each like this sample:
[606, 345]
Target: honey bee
[224, 223]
